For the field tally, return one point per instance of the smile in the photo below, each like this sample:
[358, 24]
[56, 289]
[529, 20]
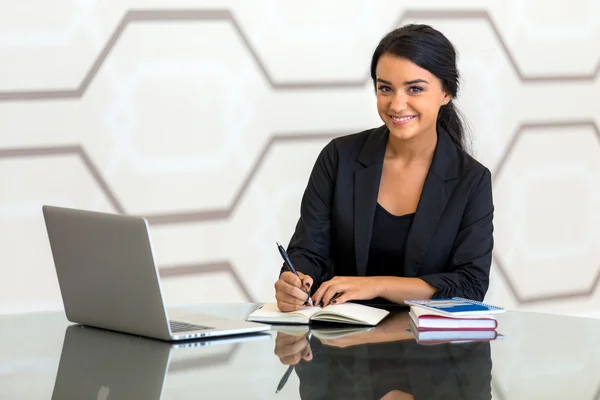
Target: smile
[402, 120]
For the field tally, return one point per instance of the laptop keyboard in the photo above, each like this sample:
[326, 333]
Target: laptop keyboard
[177, 326]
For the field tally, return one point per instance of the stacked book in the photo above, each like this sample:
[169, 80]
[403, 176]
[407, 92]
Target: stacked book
[452, 320]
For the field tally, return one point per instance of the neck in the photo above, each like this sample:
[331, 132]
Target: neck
[420, 148]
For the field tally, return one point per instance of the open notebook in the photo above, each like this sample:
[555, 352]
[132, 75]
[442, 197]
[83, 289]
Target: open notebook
[347, 313]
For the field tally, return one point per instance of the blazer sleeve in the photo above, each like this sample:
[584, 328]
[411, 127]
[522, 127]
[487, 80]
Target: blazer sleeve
[471, 256]
[310, 246]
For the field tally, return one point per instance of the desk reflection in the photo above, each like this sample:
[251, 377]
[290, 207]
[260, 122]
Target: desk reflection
[385, 362]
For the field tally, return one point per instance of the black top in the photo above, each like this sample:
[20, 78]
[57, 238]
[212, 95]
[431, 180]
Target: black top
[388, 241]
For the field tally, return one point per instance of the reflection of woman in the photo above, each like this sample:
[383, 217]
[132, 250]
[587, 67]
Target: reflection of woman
[400, 211]
[395, 370]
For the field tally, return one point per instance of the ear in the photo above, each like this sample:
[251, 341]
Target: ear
[446, 99]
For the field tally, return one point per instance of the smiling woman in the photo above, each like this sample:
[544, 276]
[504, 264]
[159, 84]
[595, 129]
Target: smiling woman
[400, 211]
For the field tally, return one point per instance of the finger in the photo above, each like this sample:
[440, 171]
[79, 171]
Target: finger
[291, 279]
[289, 290]
[331, 292]
[299, 296]
[294, 348]
[291, 340]
[287, 304]
[307, 354]
[286, 307]
[292, 299]
[302, 281]
[290, 360]
[341, 298]
[286, 339]
[318, 296]
[307, 282]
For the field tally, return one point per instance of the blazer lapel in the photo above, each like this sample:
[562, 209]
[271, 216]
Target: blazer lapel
[435, 194]
[366, 188]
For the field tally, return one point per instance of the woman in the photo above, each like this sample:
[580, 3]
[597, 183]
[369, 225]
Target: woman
[400, 211]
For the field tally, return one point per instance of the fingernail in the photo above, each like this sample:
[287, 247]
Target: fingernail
[333, 301]
[307, 284]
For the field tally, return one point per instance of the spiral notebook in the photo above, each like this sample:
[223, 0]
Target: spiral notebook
[456, 307]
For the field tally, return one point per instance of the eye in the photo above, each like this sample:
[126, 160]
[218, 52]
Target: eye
[415, 89]
[384, 89]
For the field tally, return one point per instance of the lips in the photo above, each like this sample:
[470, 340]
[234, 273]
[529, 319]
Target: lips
[396, 120]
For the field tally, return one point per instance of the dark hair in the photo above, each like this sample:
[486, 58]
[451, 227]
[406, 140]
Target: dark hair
[430, 50]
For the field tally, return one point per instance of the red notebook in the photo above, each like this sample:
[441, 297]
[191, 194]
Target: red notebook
[429, 320]
[438, 336]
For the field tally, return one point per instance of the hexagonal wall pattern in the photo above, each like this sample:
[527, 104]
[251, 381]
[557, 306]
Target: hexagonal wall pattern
[206, 117]
[188, 131]
[549, 178]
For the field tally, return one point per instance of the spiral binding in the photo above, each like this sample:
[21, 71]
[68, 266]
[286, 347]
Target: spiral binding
[478, 303]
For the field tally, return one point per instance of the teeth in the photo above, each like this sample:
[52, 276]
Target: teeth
[401, 119]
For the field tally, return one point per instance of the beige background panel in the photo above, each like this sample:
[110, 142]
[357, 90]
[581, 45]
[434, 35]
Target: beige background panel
[60, 179]
[206, 117]
[534, 32]
[552, 168]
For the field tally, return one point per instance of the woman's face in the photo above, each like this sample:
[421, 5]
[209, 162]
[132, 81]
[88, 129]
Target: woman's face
[408, 97]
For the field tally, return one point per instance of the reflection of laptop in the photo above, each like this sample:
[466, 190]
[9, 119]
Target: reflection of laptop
[108, 278]
[99, 364]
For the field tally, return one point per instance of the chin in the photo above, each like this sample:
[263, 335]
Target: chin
[403, 133]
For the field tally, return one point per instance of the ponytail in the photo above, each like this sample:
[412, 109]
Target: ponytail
[449, 119]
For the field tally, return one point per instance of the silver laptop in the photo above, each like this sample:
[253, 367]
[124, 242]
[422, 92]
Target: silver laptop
[108, 278]
[99, 364]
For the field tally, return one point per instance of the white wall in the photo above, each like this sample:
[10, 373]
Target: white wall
[207, 117]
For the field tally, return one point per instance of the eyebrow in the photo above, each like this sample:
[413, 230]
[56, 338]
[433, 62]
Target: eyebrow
[405, 83]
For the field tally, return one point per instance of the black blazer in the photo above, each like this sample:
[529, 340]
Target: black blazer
[450, 241]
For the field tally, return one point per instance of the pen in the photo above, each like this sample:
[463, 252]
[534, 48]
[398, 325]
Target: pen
[287, 374]
[285, 257]
[284, 379]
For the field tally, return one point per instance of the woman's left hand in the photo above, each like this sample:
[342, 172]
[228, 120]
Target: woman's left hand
[347, 288]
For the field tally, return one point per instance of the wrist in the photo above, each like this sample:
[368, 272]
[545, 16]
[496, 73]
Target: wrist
[378, 285]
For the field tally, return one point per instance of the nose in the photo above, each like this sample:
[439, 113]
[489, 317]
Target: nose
[398, 102]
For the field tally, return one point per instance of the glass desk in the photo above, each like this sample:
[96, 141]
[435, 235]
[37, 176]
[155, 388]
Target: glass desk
[540, 356]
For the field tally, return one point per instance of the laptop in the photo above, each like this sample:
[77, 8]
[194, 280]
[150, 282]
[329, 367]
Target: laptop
[108, 278]
[100, 364]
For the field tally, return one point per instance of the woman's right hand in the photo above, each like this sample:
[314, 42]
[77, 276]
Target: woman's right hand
[292, 292]
[291, 348]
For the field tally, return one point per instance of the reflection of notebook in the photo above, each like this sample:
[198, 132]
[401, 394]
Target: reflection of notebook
[347, 313]
[101, 364]
[321, 332]
[452, 336]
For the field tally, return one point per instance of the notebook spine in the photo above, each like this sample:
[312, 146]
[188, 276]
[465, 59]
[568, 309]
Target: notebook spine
[479, 303]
